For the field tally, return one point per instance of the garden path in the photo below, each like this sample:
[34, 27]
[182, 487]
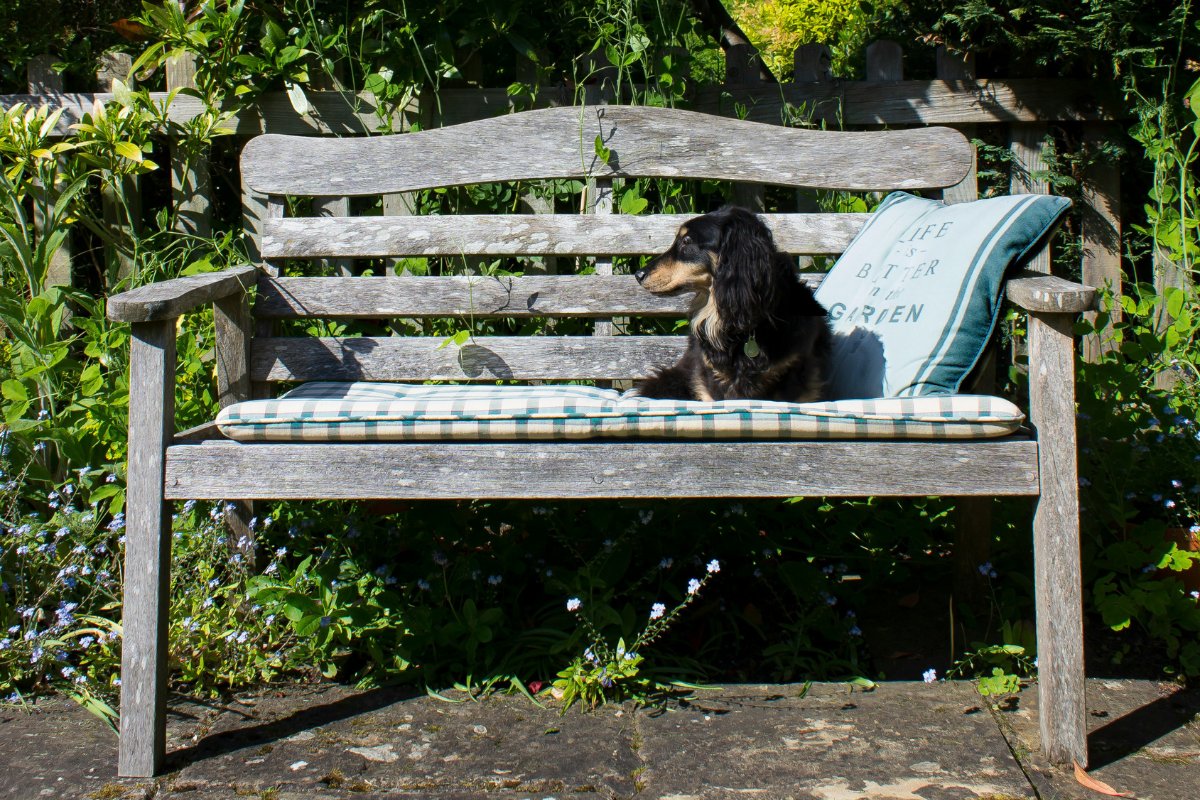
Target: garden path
[905, 740]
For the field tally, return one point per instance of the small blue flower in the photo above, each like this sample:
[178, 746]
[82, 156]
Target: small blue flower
[929, 675]
[574, 604]
[693, 586]
[713, 567]
[494, 580]
[657, 610]
[423, 584]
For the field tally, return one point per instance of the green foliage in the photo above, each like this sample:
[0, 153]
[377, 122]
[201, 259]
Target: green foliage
[605, 672]
[778, 27]
[472, 595]
[1139, 476]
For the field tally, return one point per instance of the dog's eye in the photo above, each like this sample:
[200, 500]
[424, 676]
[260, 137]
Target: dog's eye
[686, 239]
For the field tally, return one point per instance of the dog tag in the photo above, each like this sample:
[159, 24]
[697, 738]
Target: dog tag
[751, 348]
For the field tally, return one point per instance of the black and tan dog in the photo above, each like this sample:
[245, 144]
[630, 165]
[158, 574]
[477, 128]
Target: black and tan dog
[756, 333]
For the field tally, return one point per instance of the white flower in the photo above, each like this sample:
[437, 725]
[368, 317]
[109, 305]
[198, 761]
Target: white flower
[657, 610]
[693, 586]
[574, 604]
[713, 566]
[929, 675]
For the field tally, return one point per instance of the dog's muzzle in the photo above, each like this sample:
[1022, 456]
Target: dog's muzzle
[640, 275]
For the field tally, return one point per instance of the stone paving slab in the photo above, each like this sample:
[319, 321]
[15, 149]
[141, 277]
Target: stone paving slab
[902, 741]
[332, 738]
[1143, 738]
[909, 741]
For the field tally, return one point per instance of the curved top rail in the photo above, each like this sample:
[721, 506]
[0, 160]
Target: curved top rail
[639, 142]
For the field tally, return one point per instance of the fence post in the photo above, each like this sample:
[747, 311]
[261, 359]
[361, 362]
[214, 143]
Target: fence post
[1168, 274]
[332, 206]
[122, 209]
[960, 67]
[44, 80]
[741, 71]
[1026, 142]
[191, 181]
[811, 64]
[1101, 227]
[885, 61]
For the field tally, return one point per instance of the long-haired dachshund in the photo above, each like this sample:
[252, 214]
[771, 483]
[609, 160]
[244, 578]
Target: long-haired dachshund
[757, 332]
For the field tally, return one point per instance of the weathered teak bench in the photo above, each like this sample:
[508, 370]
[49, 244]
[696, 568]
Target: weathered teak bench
[555, 143]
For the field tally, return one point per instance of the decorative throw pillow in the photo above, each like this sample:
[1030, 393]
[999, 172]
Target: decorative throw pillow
[915, 297]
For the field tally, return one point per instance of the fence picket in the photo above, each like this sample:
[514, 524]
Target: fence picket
[1101, 229]
[191, 179]
[122, 206]
[44, 80]
[741, 69]
[960, 67]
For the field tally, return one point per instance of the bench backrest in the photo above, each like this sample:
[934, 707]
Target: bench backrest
[545, 144]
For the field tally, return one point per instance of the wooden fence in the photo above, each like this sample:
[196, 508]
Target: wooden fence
[1024, 110]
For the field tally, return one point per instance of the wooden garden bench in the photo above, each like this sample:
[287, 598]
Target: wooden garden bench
[164, 466]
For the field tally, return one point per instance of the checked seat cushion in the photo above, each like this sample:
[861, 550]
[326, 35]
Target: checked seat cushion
[359, 412]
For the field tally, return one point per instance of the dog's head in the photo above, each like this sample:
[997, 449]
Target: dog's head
[691, 261]
[730, 255]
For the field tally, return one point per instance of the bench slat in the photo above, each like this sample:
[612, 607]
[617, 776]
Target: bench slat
[643, 142]
[527, 234]
[468, 296]
[486, 358]
[613, 469]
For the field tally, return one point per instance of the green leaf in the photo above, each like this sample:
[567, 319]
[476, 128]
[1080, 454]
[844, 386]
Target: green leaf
[298, 98]
[14, 390]
[522, 46]
[1175, 298]
[129, 150]
[458, 340]
[602, 152]
[1193, 98]
[633, 203]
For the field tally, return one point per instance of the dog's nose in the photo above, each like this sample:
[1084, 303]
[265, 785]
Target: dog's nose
[640, 275]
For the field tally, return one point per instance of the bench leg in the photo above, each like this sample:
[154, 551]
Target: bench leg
[1057, 567]
[147, 552]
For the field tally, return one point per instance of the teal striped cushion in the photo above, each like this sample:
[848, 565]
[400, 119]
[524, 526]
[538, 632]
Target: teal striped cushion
[325, 411]
[915, 297]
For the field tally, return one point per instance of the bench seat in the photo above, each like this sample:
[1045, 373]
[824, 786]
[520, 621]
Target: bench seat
[218, 468]
[363, 411]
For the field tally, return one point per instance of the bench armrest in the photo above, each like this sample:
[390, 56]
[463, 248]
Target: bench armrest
[169, 299]
[1039, 292]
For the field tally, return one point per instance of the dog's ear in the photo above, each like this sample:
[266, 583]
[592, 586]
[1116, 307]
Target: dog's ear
[746, 281]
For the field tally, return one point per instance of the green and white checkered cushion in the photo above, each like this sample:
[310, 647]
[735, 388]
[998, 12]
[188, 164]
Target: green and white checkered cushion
[359, 412]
